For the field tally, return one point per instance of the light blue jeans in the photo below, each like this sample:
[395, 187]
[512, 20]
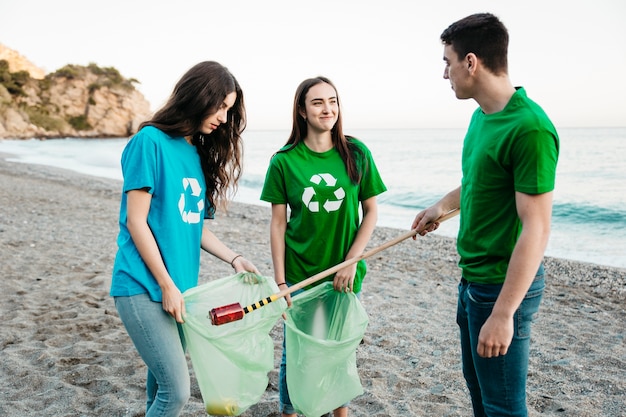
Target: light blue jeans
[497, 385]
[160, 343]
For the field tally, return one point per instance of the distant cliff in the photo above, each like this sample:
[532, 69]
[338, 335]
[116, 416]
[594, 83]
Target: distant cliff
[74, 101]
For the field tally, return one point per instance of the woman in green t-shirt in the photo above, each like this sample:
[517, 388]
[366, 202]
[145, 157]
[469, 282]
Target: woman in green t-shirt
[323, 177]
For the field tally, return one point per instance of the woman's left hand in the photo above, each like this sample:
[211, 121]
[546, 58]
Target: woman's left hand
[241, 264]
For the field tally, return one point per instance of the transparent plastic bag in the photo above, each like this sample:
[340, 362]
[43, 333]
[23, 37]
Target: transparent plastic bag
[231, 361]
[323, 329]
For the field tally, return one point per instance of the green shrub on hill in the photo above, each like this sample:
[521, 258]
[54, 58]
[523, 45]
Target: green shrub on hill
[39, 116]
[107, 76]
[13, 81]
[79, 123]
[69, 71]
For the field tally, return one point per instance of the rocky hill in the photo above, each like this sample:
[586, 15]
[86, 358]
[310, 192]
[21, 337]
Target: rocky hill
[17, 63]
[74, 101]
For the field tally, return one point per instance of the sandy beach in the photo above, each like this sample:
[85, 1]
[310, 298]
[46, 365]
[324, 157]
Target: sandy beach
[64, 351]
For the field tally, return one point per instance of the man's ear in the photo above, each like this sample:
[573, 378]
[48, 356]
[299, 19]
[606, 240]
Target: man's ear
[471, 60]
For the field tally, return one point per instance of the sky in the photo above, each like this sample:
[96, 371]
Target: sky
[384, 56]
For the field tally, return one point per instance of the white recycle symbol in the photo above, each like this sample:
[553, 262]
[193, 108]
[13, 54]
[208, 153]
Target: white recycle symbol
[190, 216]
[329, 205]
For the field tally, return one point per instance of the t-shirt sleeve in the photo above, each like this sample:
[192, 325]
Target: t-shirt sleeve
[536, 155]
[139, 162]
[371, 183]
[274, 186]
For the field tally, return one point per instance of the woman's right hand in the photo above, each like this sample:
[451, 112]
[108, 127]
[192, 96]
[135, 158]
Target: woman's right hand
[288, 299]
[174, 303]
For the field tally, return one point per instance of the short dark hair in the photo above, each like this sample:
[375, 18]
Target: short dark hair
[482, 34]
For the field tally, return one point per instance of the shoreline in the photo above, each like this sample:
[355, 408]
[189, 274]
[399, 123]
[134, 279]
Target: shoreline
[600, 243]
[65, 352]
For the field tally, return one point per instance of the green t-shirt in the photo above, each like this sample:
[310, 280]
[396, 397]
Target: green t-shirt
[324, 207]
[514, 150]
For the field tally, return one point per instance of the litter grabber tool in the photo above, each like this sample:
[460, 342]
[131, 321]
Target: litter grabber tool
[234, 312]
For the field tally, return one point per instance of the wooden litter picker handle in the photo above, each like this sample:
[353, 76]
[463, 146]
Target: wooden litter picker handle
[234, 312]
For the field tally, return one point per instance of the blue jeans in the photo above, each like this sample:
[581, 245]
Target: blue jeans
[283, 393]
[497, 385]
[160, 343]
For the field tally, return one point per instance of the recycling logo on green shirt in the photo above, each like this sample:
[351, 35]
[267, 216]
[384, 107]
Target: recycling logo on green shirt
[326, 180]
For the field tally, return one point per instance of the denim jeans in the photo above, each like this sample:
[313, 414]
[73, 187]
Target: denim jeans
[283, 393]
[497, 385]
[160, 343]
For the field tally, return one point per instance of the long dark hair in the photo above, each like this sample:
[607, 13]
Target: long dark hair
[344, 145]
[196, 96]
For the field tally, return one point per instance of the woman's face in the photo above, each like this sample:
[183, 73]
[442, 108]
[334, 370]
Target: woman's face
[321, 107]
[220, 116]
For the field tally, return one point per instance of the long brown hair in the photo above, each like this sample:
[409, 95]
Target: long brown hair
[196, 96]
[344, 145]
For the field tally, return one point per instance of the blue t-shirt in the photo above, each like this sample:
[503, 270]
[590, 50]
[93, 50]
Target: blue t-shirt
[169, 169]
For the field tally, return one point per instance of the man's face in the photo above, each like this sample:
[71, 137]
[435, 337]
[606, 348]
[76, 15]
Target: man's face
[457, 72]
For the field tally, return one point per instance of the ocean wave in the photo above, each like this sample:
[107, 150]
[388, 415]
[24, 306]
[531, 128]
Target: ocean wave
[583, 213]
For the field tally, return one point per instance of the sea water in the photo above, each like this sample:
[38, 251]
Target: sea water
[419, 166]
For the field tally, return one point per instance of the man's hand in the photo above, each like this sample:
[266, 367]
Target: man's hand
[495, 337]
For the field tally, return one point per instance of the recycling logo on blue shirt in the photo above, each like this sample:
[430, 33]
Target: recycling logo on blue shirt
[191, 188]
[325, 180]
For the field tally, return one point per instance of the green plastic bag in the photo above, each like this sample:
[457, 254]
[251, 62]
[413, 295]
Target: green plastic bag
[323, 329]
[232, 360]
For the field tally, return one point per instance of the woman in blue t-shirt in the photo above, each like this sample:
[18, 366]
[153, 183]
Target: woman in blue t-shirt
[176, 169]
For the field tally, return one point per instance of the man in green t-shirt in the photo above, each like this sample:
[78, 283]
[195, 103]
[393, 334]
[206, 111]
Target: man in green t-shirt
[509, 162]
